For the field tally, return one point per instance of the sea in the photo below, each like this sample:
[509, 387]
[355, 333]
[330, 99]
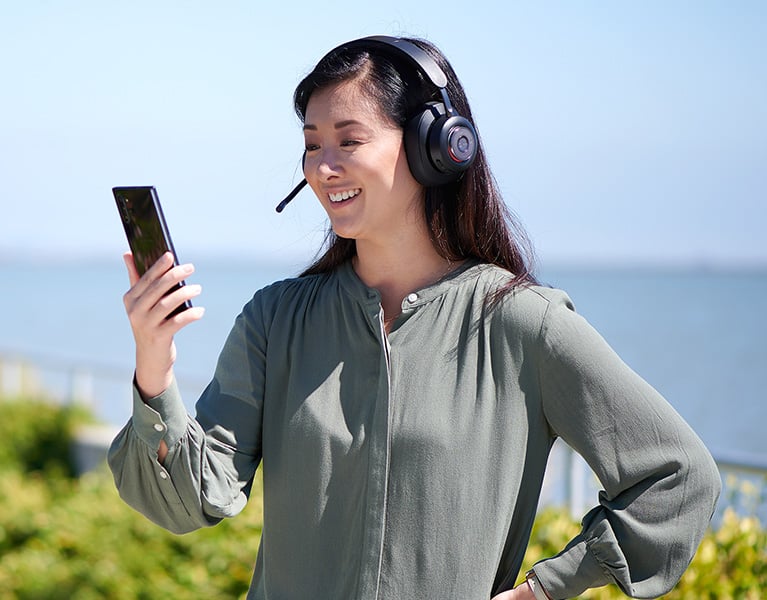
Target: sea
[698, 335]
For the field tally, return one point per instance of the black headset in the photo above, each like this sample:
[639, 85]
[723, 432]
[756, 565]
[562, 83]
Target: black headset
[440, 144]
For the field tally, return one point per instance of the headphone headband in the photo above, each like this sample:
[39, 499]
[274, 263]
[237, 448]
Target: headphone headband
[417, 56]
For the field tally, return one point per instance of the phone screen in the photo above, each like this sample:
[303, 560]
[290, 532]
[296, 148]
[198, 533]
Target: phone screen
[145, 228]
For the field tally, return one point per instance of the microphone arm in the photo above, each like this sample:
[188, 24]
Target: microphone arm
[290, 196]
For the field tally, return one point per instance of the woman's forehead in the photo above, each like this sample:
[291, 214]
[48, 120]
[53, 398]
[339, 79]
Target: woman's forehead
[348, 100]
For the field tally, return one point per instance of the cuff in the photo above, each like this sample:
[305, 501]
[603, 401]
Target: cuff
[159, 418]
[572, 571]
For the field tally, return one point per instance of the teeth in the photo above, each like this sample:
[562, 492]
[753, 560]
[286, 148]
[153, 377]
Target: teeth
[345, 195]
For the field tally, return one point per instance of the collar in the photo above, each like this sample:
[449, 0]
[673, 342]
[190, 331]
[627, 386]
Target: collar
[354, 286]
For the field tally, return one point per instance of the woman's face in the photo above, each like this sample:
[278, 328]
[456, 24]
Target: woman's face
[356, 165]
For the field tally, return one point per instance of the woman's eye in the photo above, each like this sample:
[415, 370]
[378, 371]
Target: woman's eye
[310, 147]
[350, 142]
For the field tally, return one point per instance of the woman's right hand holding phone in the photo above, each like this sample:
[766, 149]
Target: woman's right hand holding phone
[148, 304]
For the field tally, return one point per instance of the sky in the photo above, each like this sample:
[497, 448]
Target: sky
[631, 133]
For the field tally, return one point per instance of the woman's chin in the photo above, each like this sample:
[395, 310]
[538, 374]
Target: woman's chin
[345, 230]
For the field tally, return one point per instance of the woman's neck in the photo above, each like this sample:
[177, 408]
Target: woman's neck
[397, 271]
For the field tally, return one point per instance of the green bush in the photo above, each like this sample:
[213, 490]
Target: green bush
[80, 541]
[35, 435]
[66, 538]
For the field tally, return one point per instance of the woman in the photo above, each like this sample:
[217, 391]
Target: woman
[403, 394]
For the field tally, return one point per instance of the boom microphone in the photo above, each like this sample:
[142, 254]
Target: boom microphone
[290, 196]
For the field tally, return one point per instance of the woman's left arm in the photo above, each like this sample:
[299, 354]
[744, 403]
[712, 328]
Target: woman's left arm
[660, 483]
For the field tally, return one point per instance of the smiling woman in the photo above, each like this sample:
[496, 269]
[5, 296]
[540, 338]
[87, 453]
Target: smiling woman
[411, 95]
[403, 394]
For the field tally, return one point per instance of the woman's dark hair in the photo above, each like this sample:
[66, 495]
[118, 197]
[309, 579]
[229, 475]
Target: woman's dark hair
[466, 218]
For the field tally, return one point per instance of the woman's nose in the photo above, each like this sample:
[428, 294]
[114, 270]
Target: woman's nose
[328, 163]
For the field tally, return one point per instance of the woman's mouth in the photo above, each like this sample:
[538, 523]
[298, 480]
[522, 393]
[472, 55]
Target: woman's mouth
[345, 195]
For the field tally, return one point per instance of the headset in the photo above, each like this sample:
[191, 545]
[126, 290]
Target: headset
[440, 144]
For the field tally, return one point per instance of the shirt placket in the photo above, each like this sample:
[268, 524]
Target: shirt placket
[378, 476]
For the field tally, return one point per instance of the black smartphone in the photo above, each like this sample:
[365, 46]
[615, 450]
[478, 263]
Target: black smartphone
[146, 230]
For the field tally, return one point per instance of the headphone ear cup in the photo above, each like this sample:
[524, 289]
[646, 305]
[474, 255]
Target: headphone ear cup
[439, 147]
[417, 149]
[452, 144]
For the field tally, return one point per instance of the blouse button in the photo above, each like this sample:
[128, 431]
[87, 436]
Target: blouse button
[412, 297]
[158, 427]
[163, 475]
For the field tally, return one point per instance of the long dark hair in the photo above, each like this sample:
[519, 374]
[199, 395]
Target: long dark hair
[466, 218]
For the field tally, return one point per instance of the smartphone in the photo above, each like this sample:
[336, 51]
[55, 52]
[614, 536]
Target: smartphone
[146, 230]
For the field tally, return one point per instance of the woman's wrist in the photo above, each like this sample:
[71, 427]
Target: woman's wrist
[535, 586]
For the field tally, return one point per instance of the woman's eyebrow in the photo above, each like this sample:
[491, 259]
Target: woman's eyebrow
[346, 123]
[338, 125]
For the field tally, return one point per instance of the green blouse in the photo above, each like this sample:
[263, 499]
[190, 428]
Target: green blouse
[410, 465]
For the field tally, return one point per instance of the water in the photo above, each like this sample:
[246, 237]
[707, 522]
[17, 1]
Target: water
[696, 335]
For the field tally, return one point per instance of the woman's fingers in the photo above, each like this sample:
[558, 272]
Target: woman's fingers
[139, 284]
[169, 302]
[155, 283]
[156, 294]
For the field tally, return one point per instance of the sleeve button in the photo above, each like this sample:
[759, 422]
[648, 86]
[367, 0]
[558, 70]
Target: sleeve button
[159, 427]
[412, 297]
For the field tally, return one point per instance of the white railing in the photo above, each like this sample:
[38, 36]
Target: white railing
[97, 386]
[26, 375]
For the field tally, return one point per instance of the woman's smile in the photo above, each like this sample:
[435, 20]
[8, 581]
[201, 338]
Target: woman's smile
[338, 197]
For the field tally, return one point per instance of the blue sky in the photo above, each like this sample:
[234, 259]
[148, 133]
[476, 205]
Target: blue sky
[618, 132]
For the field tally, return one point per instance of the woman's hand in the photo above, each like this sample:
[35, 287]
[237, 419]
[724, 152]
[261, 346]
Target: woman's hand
[148, 306]
[521, 592]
